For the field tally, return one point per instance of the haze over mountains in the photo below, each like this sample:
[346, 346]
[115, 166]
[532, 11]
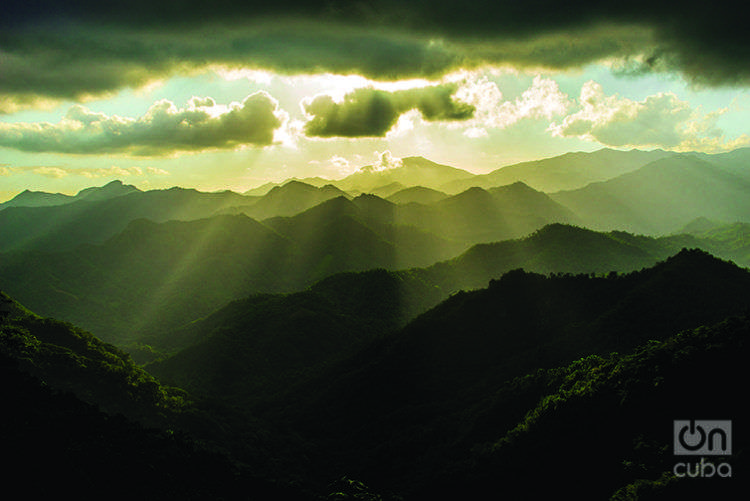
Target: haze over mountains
[459, 328]
[109, 256]
[653, 197]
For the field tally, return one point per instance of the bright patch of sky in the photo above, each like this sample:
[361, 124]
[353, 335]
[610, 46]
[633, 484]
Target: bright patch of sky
[519, 116]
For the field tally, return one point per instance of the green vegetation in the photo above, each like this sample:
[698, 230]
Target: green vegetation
[617, 411]
[421, 398]
[257, 347]
[71, 360]
[430, 346]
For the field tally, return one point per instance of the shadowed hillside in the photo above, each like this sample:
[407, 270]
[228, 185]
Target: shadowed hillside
[410, 398]
[66, 395]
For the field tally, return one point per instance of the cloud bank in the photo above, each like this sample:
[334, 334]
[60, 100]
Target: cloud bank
[70, 50]
[660, 120]
[163, 130]
[369, 112]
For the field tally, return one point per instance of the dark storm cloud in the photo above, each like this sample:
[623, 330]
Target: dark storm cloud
[74, 48]
[372, 112]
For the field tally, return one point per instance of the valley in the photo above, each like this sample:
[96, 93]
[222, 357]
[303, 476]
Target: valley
[462, 329]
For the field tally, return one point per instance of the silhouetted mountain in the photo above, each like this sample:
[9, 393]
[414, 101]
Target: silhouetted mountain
[418, 400]
[263, 189]
[109, 190]
[417, 194]
[287, 200]
[151, 274]
[366, 232]
[67, 226]
[156, 276]
[414, 171]
[563, 172]
[65, 395]
[28, 198]
[41, 199]
[478, 215]
[661, 197]
[556, 248]
[485, 387]
[256, 347]
[627, 402]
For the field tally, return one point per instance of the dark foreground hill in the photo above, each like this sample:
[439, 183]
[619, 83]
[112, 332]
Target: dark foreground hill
[80, 419]
[264, 341]
[603, 426]
[544, 385]
[420, 400]
[258, 347]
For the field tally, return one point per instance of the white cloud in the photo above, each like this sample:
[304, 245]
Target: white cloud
[113, 171]
[405, 124]
[57, 172]
[476, 132]
[52, 172]
[341, 165]
[661, 120]
[383, 161]
[543, 99]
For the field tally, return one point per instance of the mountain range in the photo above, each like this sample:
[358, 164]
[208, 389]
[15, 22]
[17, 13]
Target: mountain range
[565, 172]
[662, 196]
[477, 390]
[29, 198]
[405, 333]
[653, 193]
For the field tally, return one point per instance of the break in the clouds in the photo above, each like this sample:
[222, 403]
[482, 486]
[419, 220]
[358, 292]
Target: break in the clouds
[51, 50]
[370, 112]
[661, 120]
[164, 129]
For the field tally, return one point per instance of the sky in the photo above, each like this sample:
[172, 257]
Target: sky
[229, 95]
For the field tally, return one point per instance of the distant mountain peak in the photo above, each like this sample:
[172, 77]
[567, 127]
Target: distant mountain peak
[292, 185]
[29, 198]
[518, 186]
[371, 200]
[112, 189]
[474, 191]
